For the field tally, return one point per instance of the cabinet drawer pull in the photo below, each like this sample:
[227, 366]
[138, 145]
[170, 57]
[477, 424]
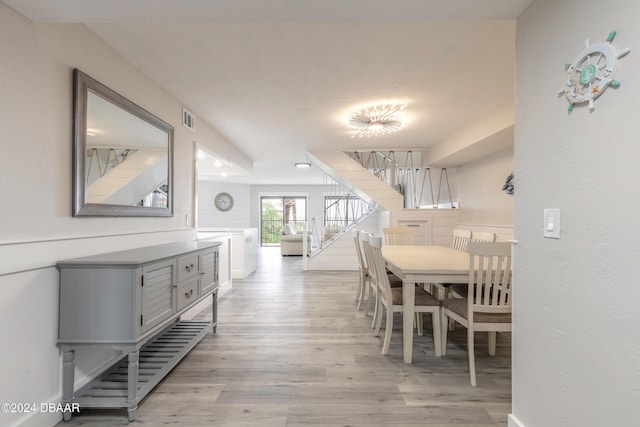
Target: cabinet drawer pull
[188, 267]
[188, 294]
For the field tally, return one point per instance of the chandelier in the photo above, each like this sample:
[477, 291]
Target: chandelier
[375, 120]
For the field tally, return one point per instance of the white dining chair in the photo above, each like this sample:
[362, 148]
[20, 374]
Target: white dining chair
[363, 279]
[390, 300]
[488, 307]
[460, 242]
[483, 236]
[371, 289]
[458, 290]
[461, 239]
[398, 235]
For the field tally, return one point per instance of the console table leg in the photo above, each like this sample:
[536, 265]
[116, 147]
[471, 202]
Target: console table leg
[68, 368]
[214, 305]
[132, 383]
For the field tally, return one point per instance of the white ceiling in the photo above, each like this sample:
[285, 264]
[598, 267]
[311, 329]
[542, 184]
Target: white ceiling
[274, 77]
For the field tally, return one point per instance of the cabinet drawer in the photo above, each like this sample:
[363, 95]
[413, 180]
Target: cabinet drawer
[187, 292]
[188, 265]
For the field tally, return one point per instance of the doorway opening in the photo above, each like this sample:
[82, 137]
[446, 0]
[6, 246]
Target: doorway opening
[276, 212]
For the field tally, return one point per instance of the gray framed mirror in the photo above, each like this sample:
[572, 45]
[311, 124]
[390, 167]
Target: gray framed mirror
[122, 156]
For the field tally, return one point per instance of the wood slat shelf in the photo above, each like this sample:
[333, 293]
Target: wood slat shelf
[157, 358]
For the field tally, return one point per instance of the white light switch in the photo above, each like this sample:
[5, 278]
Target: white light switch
[552, 223]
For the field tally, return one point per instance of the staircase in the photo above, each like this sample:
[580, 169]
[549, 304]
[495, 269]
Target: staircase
[419, 207]
[132, 180]
[357, 179]
[336, 252]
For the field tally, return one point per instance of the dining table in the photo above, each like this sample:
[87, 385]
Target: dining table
[422, 264]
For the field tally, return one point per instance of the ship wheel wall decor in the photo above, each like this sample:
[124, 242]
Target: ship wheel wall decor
[592, 72]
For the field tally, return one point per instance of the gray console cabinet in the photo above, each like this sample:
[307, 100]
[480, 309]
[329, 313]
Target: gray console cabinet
[132, 301]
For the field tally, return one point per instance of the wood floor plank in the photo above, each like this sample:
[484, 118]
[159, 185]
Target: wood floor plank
[292, 350]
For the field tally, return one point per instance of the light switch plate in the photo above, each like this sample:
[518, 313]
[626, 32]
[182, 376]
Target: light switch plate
[551, 225]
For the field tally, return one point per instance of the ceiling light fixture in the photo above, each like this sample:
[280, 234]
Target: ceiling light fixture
[375, 120]
[303, 165]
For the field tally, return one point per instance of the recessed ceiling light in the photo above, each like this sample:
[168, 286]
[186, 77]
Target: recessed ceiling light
[303, 165]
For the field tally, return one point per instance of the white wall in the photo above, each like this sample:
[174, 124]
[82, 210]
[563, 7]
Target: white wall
[480, 194]
[209, 217]
[36, 226]
[576, 340]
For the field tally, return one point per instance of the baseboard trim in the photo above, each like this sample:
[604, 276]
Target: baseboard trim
[513, 422]
[39, 419]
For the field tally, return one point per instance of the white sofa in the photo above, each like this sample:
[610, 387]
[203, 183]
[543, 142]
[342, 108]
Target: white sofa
[291, 241]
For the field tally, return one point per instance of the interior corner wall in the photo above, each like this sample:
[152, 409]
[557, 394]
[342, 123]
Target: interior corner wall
[480, 194]
[576, 323]
[36, 225]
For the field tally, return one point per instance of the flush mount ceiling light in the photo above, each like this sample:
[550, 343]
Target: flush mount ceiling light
[303, 165]
[375, 120]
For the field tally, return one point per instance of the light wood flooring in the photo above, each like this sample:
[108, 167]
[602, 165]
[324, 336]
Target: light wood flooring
[291, 350]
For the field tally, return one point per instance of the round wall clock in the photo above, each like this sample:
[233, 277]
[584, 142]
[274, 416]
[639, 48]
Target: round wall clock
[592, 72]
[223, 202]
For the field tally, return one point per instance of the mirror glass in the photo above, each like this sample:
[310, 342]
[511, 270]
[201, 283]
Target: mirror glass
[122, 155]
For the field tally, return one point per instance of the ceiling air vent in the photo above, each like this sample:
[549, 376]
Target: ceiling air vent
[188, 120]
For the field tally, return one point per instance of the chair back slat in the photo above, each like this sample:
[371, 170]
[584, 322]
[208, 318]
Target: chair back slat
[461, 240]
[398, 235]
[366, 253]
[489, 277]
[379, 264]
[483, 236]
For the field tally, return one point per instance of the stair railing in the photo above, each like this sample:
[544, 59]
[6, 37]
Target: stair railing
[414, 183]
[101, 160]
[342, 210]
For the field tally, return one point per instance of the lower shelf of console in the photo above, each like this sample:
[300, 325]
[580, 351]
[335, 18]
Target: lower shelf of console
[156, 359]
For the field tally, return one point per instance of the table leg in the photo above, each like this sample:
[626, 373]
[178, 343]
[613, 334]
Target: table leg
[214, 308]
[408, 307]
[132, 382]
[68, 368]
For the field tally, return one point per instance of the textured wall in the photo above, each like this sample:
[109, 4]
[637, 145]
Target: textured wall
[576, 341]
[480, 194]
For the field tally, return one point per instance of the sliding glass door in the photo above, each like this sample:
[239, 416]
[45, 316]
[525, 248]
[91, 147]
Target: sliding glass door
[276, 211]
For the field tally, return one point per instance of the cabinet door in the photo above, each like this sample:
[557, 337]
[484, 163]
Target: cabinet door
[158, 296]
[209, 270]
[420, 231]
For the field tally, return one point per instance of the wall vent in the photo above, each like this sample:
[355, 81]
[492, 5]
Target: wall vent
[188, 119]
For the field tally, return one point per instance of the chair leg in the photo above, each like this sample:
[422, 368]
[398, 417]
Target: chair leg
[378, 318]
[472, 358]
[492, 343]
[437, 341]
[366, 297]
[376, 304]
[444, 322]
[420, 324]
[360, 293]
[387, 332]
